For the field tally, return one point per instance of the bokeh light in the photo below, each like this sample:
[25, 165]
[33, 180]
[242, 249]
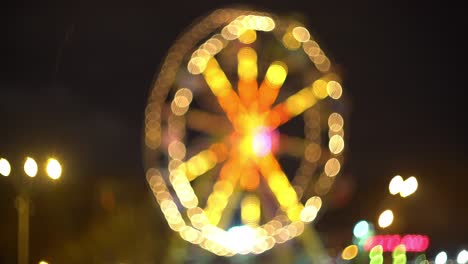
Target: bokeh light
[395, 185]
[386, 218]
[441, 258]
[462, 257]
[53, 169]
[376, 255]
[5, 168]
[30, 167]
[350, 252]
[410, 186]
[361, 229]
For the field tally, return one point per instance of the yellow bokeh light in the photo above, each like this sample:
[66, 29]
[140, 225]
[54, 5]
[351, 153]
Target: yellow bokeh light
[311, 48]
[386, 218]
[43, 262]
[301, 34]
[276, 73]
[249, 36]
[247, 66]
[290, 42]
[319, 87]
[409, 186]
[395, 185]
[250, 210]
[176, 150]
[30, 167]
[53, 168]
[336, 144]
[332, 167]
[335, 122]
[350, 252]
[334, 89]
[5, 167]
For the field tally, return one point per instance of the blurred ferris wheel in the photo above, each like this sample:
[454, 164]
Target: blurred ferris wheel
[244, 132]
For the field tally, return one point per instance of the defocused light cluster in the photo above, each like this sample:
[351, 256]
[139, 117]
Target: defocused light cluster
[412, 243]
[245, 148]
[403, 187]
[53, 168]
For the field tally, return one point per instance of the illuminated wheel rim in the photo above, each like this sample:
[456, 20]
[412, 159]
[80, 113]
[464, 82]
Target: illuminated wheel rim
[216, 138]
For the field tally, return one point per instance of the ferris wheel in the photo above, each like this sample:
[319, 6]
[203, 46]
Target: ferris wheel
[244, 132]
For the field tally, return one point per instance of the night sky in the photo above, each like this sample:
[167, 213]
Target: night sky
[75, 78]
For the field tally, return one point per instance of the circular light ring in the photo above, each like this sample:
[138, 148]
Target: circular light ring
[199, 230]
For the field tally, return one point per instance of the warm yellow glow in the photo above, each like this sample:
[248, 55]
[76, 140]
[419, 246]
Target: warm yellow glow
[276, 73]
[319, 87]
[176, 150]
[53, 168]
[335, 122]
[395, 185]
[311, 48]
[30, 167]
[301, 34]
[349, 252]
[216, 79]
[250, 210]
[410, 185]
[290, 42]
[336, 144]
[249, 36]
[43, 262]
[386, 218]
[332, 167]
[247, 66]
[5, 167]
[334, 89]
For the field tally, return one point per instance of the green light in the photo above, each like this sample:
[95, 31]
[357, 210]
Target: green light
[376, 255]
[361, 229]
[399, 255]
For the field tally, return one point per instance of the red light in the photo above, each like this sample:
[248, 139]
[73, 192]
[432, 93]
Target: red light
[413, 243]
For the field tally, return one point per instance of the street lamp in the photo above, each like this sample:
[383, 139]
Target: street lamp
[23, 202]
[5, 167]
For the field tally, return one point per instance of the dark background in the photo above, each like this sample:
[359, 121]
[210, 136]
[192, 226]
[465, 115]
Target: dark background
[75, 77]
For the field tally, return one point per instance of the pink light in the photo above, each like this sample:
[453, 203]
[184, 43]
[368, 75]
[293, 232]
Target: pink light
[262, 143]
[412, 243]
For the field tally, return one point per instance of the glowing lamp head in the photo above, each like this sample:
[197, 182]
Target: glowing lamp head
[30, 167]
[5, 167]
[54, 169]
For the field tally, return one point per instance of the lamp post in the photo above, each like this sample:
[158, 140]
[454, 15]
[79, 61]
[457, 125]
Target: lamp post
[23, 201]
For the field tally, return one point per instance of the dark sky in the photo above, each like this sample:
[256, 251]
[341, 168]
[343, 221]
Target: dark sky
[75, 76]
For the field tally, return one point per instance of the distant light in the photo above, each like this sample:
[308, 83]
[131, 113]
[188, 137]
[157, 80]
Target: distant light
[441, 258]
[395, 185]
[386, 218]
[5, 167]
[54, 169]
[349, 252]
[30, 167]
[43, 262]
[409, 187]
[361, 229]
[462, 257]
